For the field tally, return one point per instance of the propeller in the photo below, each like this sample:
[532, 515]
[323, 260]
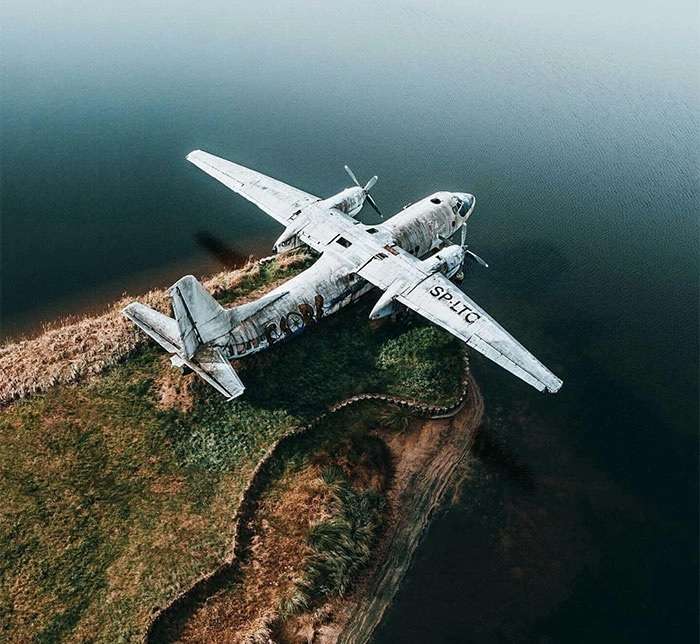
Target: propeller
[476, 257]
[472, 254]
[366, 189]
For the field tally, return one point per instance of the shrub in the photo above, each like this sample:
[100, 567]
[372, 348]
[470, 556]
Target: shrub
[341, 545]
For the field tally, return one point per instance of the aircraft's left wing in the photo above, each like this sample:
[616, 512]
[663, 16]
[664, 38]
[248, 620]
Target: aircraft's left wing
[274, 197]
[440, 301]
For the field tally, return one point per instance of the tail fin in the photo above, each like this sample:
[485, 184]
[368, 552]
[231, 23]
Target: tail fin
[207, 362]
[200, 318]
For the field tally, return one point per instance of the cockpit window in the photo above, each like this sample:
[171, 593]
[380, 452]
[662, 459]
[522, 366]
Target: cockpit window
[461, 207]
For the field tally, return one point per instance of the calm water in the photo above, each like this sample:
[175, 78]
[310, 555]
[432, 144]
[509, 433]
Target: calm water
[575, 126]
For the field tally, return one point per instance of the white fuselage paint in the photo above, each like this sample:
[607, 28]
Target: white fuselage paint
[331, 283]
[408, 258]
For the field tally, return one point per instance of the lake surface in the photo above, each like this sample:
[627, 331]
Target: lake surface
[577, 129]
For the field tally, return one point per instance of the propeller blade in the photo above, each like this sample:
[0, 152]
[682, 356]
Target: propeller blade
[370, 183]
[477, 258]
[374, 205]
[352, 176]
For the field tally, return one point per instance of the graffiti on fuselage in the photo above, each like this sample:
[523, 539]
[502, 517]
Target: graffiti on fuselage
[295, 320]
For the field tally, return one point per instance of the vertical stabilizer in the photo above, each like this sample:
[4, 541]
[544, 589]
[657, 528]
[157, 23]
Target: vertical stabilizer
[200, 318]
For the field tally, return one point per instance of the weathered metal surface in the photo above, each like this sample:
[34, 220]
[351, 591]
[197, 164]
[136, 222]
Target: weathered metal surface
[407, 257]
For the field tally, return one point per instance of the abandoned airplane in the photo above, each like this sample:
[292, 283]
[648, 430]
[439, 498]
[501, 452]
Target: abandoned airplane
[408, 257]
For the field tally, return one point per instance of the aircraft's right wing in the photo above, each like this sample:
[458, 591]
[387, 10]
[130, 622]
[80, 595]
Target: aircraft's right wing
[439, 300]
[436, 298]
[274, 197]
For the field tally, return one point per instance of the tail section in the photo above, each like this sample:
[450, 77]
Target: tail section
[211, 365]
[199, 320]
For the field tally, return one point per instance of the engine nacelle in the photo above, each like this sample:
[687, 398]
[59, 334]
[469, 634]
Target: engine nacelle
[349, 201]
[447, 261]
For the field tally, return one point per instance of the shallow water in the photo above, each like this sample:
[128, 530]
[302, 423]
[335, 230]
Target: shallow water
[576, 128]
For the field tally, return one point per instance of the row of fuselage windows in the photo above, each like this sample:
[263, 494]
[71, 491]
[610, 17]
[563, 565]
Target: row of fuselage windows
[238, 346]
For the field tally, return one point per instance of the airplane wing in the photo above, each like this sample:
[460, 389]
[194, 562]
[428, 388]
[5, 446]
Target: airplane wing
[274, 197]
[436, 298]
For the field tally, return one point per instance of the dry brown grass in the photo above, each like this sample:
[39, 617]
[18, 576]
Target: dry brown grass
[247, 609]
[79, 349]
[277, 553]
[174, 391]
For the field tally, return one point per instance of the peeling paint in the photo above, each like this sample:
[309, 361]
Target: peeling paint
[408, 257]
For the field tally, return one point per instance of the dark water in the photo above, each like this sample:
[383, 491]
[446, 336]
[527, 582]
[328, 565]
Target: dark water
[576, 127]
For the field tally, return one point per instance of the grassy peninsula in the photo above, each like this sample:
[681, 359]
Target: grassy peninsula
[121, 479]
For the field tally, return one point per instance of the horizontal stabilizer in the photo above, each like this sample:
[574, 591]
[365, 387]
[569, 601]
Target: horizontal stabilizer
[161, 328]
[211, 365]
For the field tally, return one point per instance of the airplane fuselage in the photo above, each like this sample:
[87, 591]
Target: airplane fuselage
[331, 282]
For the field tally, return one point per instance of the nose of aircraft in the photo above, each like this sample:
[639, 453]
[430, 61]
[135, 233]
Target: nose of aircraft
[467, 203]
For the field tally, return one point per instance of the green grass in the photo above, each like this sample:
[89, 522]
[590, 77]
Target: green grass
[112, 506]
[348, 456]
[344, 355]
[342, 544]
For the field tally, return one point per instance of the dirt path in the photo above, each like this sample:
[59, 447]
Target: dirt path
[427, 460]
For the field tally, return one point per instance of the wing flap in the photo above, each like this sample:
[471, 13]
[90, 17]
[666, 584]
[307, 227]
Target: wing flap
[504, 361]
[276, 198]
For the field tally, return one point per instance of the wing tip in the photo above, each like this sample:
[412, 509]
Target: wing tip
[235, 394]
[193, 155]
[132, 310]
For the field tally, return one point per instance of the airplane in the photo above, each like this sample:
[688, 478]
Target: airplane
[408, 257]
